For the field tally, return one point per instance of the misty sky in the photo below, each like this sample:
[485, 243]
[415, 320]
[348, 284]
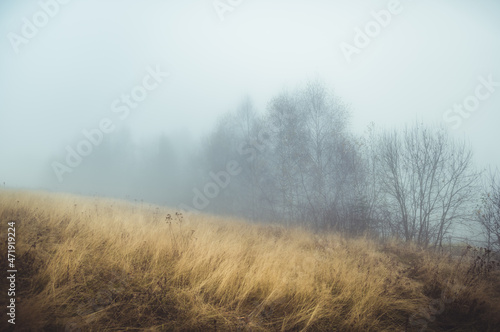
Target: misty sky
[66, 77]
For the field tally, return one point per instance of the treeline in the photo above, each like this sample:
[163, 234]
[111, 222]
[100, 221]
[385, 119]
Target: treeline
[298, 164]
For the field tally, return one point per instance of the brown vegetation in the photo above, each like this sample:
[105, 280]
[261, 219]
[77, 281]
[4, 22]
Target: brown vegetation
[95, 264]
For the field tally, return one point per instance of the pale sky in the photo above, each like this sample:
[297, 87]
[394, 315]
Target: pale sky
[64, 78]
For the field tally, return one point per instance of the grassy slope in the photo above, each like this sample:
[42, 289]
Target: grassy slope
[96, 264]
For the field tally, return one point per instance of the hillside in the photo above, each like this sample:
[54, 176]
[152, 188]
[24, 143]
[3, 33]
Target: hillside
[94, 264]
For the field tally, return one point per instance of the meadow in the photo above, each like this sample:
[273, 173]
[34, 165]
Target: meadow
[98, 264]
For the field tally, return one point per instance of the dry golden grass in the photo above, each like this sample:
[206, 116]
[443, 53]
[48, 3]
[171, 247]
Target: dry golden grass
[88, 264]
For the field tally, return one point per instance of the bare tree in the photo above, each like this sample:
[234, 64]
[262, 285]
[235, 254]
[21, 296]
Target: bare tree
[253, 154]
[316, 162]
[323, 170]
[376, 213]
[488, 214]
[430, 179]
[286, 123]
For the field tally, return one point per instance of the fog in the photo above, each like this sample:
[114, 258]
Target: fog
[156, 79]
